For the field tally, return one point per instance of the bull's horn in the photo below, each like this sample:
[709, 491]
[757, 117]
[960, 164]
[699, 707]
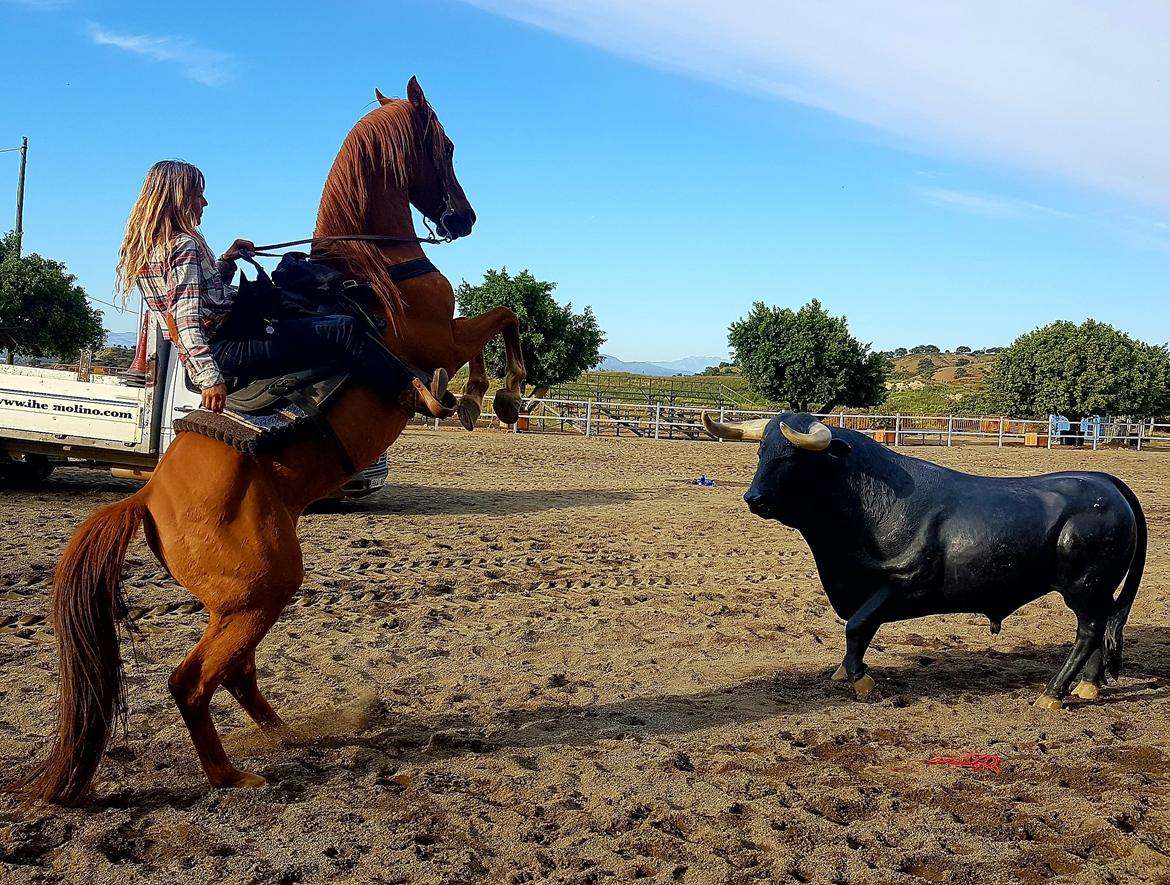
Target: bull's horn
[816, 440]
[745, 430]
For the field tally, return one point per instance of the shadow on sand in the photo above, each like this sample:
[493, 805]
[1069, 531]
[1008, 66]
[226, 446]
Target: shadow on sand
[946, 676]
[421, 500]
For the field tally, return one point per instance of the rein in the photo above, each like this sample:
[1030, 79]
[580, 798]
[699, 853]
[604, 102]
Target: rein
[264, 251]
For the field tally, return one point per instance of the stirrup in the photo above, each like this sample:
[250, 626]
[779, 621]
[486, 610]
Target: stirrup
[436, 401]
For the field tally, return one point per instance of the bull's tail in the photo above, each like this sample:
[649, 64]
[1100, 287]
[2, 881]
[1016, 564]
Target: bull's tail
[87, 608]
[1116, 623]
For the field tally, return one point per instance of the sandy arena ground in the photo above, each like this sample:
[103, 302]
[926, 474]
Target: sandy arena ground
[539, 659]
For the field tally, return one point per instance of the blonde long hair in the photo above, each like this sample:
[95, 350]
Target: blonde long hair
[164, 209]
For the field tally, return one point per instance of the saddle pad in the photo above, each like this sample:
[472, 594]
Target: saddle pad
[245, 432]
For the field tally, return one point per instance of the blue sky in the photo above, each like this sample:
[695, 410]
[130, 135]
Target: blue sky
[937, 172]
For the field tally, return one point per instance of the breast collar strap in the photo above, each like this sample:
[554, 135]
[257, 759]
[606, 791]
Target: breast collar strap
[408, 270]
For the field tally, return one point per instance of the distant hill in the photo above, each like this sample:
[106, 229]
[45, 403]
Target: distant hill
[963, 369]
[690, 365]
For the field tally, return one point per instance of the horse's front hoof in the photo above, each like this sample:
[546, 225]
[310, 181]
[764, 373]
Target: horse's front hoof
[506, 405]
[864, 687]
[1087, 691]
[469, 412]
[1048, 702]
[840, 674]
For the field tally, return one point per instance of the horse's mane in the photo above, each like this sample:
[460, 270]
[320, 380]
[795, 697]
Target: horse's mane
[377, 153]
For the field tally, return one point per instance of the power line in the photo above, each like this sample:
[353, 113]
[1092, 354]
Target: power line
[117, 307]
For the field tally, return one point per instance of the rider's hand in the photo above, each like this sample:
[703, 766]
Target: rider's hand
[215, 397]
[239, 246]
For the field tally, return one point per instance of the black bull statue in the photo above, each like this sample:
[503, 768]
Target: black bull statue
[896, 537]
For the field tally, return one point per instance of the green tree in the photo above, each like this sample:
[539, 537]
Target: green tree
[558, 344]
[43, 312]
[925, 348]
[901, 351]
[962, 348]
[806, 359]
[1090, 369]
[926, 366]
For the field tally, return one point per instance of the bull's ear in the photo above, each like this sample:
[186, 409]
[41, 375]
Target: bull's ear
[838, 448]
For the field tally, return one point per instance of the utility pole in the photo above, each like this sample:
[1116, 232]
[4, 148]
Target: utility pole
[20, 195]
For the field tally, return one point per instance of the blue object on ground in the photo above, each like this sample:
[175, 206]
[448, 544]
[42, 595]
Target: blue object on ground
[703, 481]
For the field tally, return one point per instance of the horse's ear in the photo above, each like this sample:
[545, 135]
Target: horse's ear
[381, 98]
[415, 94]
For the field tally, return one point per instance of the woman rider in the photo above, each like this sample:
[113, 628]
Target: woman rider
[164, 253]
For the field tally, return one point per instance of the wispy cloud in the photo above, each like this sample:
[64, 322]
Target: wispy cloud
[39, 4]
[989, 205]
[208, 66]
[1076, 90]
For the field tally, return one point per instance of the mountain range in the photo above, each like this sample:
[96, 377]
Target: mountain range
[121, 339]
[690, 365]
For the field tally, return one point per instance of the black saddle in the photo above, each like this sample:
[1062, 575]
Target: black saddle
[267, 394]
[300, 287]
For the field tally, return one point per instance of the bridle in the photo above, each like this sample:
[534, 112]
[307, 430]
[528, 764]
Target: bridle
[441, 176]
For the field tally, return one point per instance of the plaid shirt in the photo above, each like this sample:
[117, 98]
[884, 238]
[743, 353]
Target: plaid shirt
[180, 279]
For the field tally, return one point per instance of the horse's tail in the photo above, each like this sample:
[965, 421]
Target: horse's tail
[1116, 623]
[87, 607]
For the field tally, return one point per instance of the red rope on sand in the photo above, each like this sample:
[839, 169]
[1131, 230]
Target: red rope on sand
[982, 761]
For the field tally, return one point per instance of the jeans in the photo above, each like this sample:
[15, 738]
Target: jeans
[309, 343]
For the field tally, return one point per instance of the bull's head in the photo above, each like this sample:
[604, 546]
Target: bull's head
[796, 450]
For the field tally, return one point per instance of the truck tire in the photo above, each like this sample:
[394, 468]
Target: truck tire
[26, 474]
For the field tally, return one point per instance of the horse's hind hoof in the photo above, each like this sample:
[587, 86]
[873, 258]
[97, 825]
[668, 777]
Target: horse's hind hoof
[864, 687]
[506, 405]
[1048, 702]
[1087, 691]
[241, 779]
[840, 674]
[468, 412]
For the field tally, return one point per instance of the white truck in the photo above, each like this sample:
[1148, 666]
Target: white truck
[51, 418]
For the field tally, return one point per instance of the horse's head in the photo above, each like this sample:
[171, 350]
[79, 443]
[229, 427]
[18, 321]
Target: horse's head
[433, 188]
[396, 154]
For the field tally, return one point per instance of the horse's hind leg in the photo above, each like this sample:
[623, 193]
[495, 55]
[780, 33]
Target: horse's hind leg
[227, 643]
[1090, 635]
[242, 685]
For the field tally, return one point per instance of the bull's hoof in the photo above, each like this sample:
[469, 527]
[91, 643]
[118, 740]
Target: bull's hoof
[241, 779]
[840, 674]
[1087, 691]
[864, 687]
[506, 405]
[468, 412]
[1048, 702]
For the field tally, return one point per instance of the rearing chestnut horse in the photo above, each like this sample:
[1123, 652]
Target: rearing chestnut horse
[223, 523]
